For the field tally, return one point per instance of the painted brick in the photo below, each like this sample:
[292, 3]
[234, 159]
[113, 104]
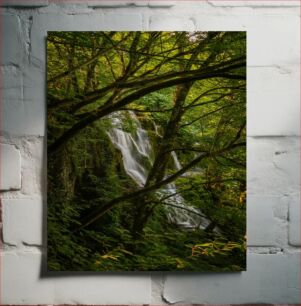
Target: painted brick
[257, 4]
[33, 151]
[23, 96]
[163, 4]
[122, 4]
[273, 165]
[206, 21]
[12, 99]
[22, 221]
[10, 160]
[22, 283]
[66, 7]
[24, 3]
[268, 279]
[273, 39]
[170, 23]
[134, 289]
[11, 85]
[21, 280]
[141, 3]
[157, 287]
[122, 22]
[294, 221]
[260, 217]
[12, 45]
[116, 4]
[274, 101]
[34, 110]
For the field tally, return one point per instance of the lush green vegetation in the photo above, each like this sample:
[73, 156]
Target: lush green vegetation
[185, 93]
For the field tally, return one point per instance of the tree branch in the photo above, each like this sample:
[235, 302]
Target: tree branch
[210, 113]
[100, 211]
[105, 110]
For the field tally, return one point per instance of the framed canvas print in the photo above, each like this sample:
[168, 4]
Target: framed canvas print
[146, 151]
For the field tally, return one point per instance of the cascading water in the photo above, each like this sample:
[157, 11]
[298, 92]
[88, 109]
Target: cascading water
[135, 147]
[138, 157]
[176, 160]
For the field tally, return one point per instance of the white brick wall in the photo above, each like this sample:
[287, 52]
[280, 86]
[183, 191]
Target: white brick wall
[14, 45]
[273, 274]
[269, 279]
[24, 3]
[25, 283]
[10, 171]
[23, 222]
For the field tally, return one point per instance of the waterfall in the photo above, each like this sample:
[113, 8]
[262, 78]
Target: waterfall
[135, 147]
[176, 160]
[138, 157]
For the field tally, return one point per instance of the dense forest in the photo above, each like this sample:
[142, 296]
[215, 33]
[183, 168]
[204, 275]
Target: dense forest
[146, 151]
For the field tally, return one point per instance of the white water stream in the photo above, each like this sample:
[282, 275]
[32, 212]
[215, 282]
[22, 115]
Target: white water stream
[138, 157]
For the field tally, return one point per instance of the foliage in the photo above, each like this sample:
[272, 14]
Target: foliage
[187, 92]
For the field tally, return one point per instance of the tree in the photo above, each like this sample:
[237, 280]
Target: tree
[188, 91]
